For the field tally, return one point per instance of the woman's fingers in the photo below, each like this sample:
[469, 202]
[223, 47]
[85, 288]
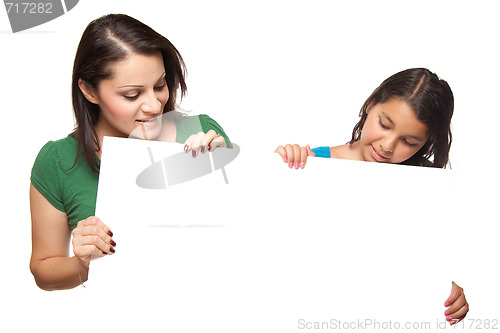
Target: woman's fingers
[217, 142]
[203, 142]
[92, 237]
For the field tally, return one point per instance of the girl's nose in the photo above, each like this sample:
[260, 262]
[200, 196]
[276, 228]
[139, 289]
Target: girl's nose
[388, 144]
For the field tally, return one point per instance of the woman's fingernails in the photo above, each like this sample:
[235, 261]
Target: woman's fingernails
[110, 233]
[448, 318]
[105, 252]
[296, 165]
[112, 242]
[286, 159]
[290, 165]
[447, 313]
[447, 304]
[302, 165]
[112, 250]
[194, 153]
[186, 147]
[203, 149]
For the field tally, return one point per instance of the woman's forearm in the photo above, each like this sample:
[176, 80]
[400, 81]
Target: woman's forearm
[58, 273]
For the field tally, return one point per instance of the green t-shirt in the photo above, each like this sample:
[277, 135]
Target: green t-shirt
[72, 187]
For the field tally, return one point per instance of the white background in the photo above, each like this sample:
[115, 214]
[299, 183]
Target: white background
[270, 72]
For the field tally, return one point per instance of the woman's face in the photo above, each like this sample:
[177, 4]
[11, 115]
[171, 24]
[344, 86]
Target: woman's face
[392, 133]
[133, 97]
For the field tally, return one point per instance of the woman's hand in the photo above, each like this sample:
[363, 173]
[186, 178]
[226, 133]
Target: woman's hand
[204, 142]
[457, 305]
[295, 155]
[92, 238]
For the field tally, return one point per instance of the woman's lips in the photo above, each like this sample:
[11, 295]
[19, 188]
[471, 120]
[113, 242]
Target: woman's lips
[377, 156]
[148, 122]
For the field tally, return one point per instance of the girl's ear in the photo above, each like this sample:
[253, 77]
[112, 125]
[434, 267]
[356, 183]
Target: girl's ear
[87, 91]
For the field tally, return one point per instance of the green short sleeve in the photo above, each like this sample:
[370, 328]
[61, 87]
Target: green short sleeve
[194, 124]
[208, 123]
[46, 177]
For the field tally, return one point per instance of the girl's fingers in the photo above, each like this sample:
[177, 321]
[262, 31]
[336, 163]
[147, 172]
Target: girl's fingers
[303, 157]
[296, 156]
[310, 152]
[457, 304]
[290, 155]
[455, 293]
[193, 143]
[281, 151]
[454, 318]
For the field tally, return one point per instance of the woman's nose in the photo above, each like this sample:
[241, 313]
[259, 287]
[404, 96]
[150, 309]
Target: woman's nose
[151, 104]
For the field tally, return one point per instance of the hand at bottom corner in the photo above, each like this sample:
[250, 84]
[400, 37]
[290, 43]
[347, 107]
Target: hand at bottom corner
[457, 306]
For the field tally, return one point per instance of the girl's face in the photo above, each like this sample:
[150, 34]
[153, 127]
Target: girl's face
[392, 133]
[135, 94]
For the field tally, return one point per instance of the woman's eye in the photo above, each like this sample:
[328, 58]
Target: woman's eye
[131, 97]
[160, 87]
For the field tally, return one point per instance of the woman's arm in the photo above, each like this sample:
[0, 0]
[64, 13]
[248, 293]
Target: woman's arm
[50, 263]
[50, 236]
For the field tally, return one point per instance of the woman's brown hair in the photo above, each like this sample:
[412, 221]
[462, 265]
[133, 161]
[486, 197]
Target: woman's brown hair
[105, 41]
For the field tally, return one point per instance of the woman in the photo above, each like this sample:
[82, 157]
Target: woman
[125, 75]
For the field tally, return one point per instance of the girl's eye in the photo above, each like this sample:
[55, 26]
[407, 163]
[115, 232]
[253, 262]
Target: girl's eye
[381, 124]
[409, 144]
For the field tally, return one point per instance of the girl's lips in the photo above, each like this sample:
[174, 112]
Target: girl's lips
[377, 156]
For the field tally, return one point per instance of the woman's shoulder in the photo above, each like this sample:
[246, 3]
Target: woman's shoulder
[61, 151]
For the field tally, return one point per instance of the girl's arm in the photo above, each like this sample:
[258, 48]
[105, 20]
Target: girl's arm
[50, 263]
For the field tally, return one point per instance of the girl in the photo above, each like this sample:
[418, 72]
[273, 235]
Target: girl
[406, 120]
[125, 75]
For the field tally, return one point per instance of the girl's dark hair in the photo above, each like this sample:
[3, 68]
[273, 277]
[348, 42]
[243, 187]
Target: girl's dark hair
[432, 101]
[105, 41]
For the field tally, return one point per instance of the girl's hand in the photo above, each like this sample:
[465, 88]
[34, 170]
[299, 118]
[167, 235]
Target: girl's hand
[295, 155]
[92, 238]
[457, 305]
[204, 142]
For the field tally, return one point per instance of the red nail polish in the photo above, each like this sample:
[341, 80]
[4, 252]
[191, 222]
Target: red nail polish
[112, 242]
[110, 233]
[112, 250]
[186, 147]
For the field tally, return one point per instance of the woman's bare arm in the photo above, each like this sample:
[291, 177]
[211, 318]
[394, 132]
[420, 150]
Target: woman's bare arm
[50, 263]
